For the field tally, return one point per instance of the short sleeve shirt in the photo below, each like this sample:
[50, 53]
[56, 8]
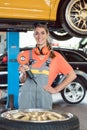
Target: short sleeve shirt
[57, 65]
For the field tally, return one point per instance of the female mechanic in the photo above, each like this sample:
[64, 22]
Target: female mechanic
[45, 65]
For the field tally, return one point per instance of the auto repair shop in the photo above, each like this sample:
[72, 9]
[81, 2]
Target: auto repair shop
[16, 17]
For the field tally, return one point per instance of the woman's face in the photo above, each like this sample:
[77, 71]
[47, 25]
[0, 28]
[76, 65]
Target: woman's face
[41, 36]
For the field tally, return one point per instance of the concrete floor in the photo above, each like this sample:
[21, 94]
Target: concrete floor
[80, 110]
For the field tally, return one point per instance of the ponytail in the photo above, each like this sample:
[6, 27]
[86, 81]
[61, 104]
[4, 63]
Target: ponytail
[52, 54]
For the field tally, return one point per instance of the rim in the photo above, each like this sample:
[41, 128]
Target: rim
[8, 115]
[74, 92]
[77, 15]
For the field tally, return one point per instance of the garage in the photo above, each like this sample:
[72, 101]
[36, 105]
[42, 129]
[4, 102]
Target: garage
[61, 106]
[23, 18]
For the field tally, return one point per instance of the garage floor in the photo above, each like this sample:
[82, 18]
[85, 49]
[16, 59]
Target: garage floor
[80, 110]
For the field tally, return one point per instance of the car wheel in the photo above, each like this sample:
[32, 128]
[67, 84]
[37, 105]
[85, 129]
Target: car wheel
[74, 17]
[75, 92]
[60, 35]
[70, 123]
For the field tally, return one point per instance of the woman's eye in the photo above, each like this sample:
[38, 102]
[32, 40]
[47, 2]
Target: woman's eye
[37, 33]
[42, 33]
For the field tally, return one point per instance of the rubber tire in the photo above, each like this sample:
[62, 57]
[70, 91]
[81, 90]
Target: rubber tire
[64, 22]
[60, 37]
[78, 80]
[71, 124]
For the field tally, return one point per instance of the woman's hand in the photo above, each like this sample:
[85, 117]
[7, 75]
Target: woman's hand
[69, 78]
[50, 89]
[23, 68]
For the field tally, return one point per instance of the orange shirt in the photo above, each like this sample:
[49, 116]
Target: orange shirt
[57, 65]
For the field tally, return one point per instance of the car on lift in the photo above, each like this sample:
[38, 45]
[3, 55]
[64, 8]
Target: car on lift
[75, 92]
[64, 18]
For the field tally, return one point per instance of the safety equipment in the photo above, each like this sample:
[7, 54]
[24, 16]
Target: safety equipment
[43, 51]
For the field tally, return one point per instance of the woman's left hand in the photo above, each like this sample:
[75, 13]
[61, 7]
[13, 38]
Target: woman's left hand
[50, 89]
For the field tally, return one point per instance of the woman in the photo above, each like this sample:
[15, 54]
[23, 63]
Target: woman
[46, 65]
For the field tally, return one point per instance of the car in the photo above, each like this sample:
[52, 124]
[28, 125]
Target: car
[73, 93]
[64, 18]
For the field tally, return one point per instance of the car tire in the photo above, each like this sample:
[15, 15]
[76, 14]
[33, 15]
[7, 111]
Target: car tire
[75, 92]
[72, 17]
[60, 35]
[69, 124]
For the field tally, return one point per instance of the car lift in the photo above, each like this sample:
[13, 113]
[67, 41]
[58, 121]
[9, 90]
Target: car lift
[12, 39]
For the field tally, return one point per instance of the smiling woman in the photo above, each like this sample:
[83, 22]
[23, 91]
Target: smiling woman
[45, 64]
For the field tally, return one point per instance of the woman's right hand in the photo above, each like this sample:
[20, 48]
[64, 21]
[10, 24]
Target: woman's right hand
[23, 68]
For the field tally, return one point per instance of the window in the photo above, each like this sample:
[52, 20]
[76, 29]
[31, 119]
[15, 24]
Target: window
[73, 57]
